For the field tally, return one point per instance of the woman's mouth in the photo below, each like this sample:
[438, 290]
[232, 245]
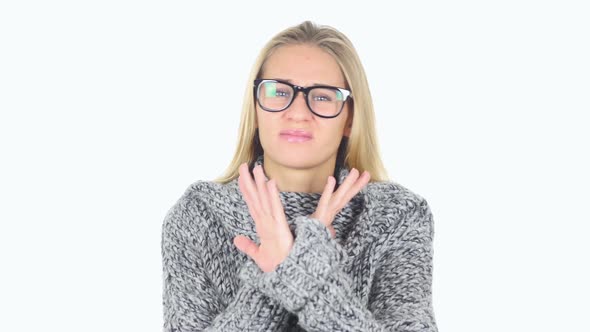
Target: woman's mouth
[295, 138]
[295, 135]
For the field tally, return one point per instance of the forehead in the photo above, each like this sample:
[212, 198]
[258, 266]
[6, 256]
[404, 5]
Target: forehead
[303, 65]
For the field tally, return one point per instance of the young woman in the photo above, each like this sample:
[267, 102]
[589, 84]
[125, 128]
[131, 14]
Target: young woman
[304, 232]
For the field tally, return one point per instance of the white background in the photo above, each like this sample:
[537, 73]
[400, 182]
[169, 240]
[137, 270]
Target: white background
[111, 109]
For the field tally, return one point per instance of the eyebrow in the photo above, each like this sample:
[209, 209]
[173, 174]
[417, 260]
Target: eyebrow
[291, 81]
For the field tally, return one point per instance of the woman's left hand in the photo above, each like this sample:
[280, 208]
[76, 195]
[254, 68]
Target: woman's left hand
[332, 202]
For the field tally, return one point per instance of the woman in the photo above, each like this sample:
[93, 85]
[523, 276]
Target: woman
[304, 231]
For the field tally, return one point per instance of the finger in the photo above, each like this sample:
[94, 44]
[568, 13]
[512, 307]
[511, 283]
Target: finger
[248, 188]
[357, 186]
[275, 200]
[262, 189]
[345, 186]
[247, 246]
[324, 201]
[249, 197]
[244, 191]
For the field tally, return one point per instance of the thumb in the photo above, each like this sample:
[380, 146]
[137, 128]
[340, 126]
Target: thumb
[245, 245]
[332, 231]
[316, 215]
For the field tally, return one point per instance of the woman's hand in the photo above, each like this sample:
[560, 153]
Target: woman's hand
[266, 208]
[332, 202]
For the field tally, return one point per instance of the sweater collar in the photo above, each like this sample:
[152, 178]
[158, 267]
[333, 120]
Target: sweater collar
[340, 175]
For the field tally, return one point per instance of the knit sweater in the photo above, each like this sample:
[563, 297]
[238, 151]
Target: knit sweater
[375, 275]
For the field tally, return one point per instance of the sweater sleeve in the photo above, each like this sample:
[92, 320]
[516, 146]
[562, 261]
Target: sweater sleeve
[190, 301]
[311, 283]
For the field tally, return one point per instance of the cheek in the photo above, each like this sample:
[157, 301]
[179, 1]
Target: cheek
[332, 135]
[265, 125]
[261, 118]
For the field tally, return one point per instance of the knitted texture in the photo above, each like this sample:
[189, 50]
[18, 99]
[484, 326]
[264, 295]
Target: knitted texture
[376, 275]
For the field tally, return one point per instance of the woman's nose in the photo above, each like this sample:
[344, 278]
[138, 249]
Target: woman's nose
[299, 105]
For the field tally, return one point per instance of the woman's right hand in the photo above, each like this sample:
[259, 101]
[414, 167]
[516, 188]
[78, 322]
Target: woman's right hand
[265, 207]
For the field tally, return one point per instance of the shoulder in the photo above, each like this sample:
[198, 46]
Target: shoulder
[390, 194]
[190, 212]
[397, 207]
[188, 202]
[200, 194]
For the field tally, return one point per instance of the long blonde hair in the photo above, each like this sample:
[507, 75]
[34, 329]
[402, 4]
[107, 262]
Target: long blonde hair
[361, 149]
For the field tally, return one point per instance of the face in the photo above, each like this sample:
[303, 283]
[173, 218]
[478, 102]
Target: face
[302, 65]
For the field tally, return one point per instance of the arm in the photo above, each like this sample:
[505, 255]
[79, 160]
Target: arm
[311, 284]
[402, 291]
[190, 301]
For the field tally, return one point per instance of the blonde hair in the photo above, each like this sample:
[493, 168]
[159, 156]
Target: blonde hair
[362, 149]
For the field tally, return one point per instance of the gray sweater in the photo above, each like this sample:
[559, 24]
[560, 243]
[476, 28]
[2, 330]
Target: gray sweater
[376, 275]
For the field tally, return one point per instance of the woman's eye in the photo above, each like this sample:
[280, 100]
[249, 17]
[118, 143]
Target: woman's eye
[280, 93]
[322, 98]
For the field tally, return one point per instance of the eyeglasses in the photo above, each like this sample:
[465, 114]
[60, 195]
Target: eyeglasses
[322, 100]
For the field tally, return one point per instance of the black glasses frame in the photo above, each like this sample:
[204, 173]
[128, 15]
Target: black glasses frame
[305, 91]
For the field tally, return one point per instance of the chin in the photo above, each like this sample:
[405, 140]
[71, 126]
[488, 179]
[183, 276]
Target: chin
[292, 159]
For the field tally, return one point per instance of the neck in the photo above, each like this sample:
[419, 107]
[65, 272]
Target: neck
[307, 180]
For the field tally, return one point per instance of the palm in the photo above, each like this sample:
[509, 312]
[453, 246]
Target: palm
[274, 243]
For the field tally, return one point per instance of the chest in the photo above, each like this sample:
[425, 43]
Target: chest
[226, 261]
